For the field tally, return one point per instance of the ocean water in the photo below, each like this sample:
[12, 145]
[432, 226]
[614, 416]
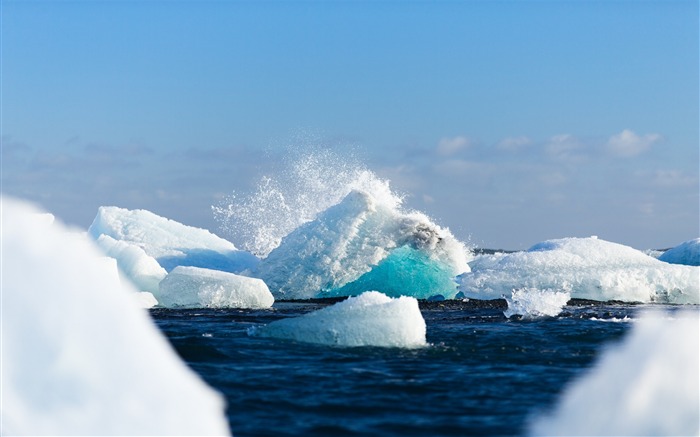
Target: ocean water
[483, 374]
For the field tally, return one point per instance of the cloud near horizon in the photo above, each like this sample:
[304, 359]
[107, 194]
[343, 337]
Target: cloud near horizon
[628, 144]
[514, 143]
[450, 146]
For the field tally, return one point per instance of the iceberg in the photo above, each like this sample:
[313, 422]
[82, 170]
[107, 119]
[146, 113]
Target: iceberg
[363, 244]
[687, 253]
[370, 319]
[79, 357]
[647, 385]
[171, 243]
[586, 268]
[107, 268]
[133, 262]
[196, 287]
[145, 299]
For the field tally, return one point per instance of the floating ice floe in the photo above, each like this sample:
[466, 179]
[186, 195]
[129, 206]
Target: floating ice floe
[586, 268]
[110, 273]
[134, 264]
[195, 287]
[370, 319]
[171, 243]
[534, 303]
[79, 357]
[687, 253]
[361, 244]
[647, 385]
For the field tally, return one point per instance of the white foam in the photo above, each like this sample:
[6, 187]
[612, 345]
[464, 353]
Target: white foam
[625, 319]
[589, 268]
[534, 303]
[79, 357]
[195, 287]
[402, 253]
[687, 253]
[169, 242]
[371, 319]
[647, 385]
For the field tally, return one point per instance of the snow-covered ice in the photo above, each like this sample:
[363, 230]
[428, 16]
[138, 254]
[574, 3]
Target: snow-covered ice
[78, 356]
[647, 385]
[586, 268]
[370, 319]
[196, 287]
[687, 253]
[365, 243]
[171, 243]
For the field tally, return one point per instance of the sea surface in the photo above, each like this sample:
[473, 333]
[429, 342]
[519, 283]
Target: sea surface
[483, 374]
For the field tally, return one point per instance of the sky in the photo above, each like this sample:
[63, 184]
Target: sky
[509, 122]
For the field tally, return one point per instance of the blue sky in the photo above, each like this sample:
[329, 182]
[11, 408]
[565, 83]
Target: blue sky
[509, 122]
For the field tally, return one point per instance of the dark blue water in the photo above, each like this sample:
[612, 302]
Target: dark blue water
[482, 375]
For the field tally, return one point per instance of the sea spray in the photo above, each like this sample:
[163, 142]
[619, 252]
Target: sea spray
[308, 185]
[532, 303]
[328, 226]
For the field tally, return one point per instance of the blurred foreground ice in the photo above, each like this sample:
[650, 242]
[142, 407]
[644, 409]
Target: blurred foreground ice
[647, 385]
[78, 356]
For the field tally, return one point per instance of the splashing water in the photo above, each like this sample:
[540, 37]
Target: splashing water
[311, 183]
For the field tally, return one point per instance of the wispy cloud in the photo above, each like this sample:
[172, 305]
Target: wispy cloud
[628, 144]
[450, 146]
[513, 144]
[672, 179]
[565, 147]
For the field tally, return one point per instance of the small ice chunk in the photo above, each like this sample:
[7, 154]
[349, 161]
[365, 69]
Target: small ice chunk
[533, 303]
[647, 385]
[195, 287]
[370, 319]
